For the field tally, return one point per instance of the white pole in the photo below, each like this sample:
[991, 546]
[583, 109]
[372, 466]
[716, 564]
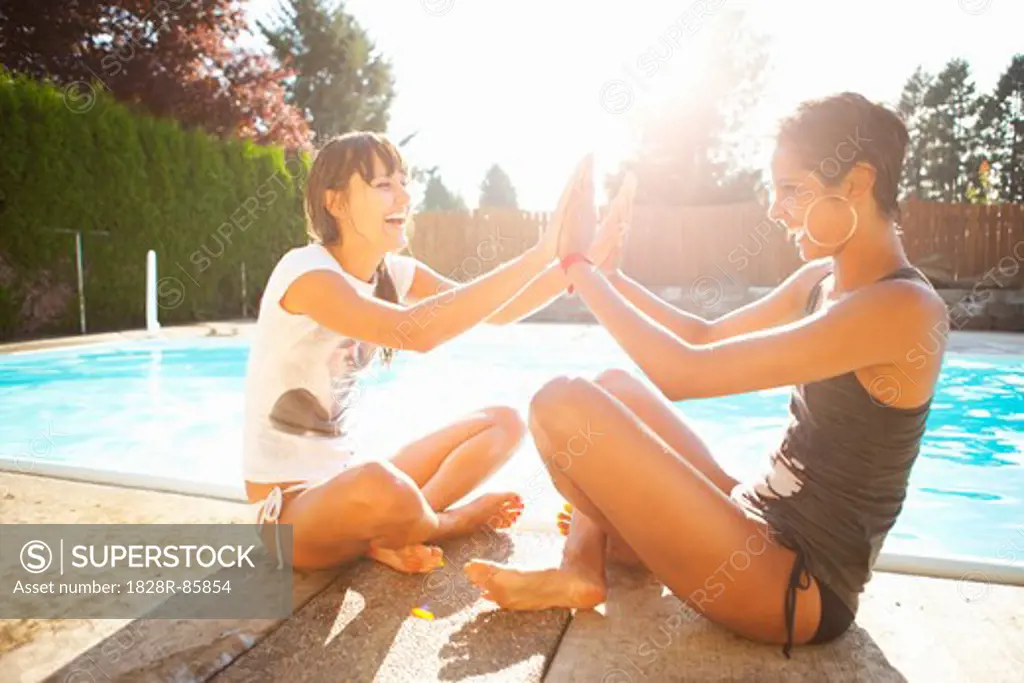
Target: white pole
[245, 307]
[152, 324]
[81, 284]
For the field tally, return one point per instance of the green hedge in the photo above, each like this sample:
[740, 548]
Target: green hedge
[79, 160]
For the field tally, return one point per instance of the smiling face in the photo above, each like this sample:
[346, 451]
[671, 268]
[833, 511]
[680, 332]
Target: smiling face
[374, 211]
[804, 205]
[356, 194]
[835, 172]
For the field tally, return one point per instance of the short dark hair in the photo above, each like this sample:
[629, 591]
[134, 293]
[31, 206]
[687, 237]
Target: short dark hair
[820, 131]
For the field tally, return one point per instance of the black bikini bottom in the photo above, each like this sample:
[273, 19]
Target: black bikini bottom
[835, 617]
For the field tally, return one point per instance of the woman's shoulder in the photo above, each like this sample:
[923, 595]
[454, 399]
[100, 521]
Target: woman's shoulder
[299, 260]
[912, 285]
[296, 262]
[311, 253]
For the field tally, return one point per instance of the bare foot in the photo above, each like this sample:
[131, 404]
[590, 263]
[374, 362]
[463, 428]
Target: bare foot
[534, 590]
[619, 551]
[412, 559]
[496, 510]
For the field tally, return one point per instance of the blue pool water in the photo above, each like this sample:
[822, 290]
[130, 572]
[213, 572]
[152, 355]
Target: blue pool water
[174, 409]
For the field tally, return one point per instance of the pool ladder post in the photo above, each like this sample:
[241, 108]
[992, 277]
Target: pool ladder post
[152, 324]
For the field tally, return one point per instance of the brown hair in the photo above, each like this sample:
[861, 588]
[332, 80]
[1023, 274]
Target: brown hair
[335, 163]
[872, 133]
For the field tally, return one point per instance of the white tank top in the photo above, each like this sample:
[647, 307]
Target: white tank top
[301, 378]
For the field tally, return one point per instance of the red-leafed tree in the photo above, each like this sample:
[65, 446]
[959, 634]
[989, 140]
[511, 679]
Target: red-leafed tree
[176, 58]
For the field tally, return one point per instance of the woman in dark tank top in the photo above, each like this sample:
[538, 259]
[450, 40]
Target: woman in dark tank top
[782, 558]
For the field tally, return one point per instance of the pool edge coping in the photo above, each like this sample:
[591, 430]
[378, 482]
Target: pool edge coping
[223, 328]
[982, 342]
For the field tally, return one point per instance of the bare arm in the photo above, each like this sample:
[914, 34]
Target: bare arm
[878, 325]
[542, 290]
[783, 304]
[328, 299]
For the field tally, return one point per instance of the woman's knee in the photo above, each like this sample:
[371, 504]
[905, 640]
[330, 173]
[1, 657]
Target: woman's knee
[556, 404]
[617, 381]
[508, 423]
[562, 421]
[386, 494]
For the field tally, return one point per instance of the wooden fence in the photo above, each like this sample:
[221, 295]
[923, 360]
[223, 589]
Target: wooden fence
[669, 246]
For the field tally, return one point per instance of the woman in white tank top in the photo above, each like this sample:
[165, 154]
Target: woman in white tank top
[327, 311]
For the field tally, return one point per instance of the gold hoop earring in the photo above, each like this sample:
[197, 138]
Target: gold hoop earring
[807, 222]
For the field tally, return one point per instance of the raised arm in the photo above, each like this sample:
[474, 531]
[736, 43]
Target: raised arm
[548, 285]
[877, 325]
[783, 304]
[328, 299]
[880, 324]
[445, 309]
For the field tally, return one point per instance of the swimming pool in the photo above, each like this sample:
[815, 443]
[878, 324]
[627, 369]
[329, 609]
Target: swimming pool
[172, 410]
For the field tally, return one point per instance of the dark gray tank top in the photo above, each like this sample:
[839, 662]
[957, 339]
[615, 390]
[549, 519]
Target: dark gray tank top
[839, 477]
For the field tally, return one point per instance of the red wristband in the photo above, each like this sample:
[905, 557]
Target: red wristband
[572, 259]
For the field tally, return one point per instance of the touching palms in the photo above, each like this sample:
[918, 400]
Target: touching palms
[606, 250]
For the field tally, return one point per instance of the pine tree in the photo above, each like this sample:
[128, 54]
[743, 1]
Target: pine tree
[342, 83]
[496, 190]
[1002, 123]
[437, 197]
[913, 111]
[955, 150]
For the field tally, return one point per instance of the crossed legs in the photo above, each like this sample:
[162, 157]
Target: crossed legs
[389, 510]
[651, 481]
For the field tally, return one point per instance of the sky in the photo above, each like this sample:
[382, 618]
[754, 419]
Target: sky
[534, 84]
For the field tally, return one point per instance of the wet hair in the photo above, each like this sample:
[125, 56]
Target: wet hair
[832, 134]
[333, 166]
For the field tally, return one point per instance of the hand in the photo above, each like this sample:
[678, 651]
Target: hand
[606, 251]
[580, 222]
[547, 245]
[613, 261]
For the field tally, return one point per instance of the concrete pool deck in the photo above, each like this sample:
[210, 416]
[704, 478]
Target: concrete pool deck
[354, 624]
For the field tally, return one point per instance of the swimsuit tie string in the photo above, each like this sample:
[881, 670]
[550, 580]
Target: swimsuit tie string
[799, 578]
[270, 512]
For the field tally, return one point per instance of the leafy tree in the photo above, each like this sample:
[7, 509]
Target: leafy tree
[171, 58]
[497, 190]
[341, 83]
[980, 189]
